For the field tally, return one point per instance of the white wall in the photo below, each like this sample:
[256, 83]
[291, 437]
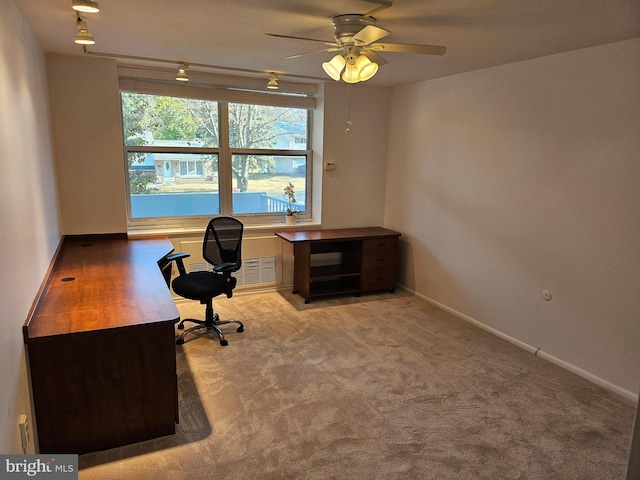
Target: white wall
[353, 194]
[520, 178]
[87, 132]
[29, 226]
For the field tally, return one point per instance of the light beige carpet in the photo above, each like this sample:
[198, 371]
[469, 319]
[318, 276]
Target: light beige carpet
[378, 387]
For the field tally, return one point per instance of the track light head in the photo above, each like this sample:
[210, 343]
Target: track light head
[273, 82]
[83, 37]
[86, 6]
[181, 76]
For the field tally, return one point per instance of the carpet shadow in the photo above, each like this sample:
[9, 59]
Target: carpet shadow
[193, 425]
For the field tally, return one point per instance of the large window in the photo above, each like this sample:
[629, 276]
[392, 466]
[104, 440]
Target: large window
[190, 157]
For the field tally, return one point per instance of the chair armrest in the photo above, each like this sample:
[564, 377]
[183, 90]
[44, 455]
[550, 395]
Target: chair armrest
[175, 256]
[178, 258]
[225, 267]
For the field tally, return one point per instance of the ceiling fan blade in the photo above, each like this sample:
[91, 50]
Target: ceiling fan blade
[330, 49]
[333, 44]
[408, 48]
[374, 57]
[369, 34]
[383, 6]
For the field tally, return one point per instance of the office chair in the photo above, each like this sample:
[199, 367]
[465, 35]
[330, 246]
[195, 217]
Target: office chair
[221, 248]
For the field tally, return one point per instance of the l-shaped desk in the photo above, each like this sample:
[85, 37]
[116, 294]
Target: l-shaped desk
[101, 340]
[101, 346]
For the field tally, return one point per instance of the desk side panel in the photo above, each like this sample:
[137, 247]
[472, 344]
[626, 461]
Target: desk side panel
[302, 269]
[97, 391]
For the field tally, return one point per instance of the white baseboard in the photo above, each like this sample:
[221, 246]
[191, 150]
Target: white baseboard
[535, 350]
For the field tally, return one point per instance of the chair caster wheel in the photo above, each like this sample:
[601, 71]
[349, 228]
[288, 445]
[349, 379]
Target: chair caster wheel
[180, 341]
[181, 326]
[240, 329]
[224, 343]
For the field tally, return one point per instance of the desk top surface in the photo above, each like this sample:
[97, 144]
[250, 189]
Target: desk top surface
[337, 235]
[98, 284]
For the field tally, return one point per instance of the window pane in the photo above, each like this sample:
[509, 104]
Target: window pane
[173, 184]
[260, 180]
[169, 121]
[258, 126]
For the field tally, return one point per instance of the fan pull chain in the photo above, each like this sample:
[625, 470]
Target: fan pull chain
[349, 122]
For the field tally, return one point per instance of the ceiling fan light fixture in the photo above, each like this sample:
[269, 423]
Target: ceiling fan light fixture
[272, 84]
[356, 33]
[83, 37]
[86, 6]
[181, 76]
[334, 67]
[366, 68]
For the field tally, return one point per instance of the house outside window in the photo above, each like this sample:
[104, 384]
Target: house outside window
[189, 157]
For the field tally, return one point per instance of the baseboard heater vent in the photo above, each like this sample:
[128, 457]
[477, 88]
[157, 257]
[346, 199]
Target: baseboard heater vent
[254, 271]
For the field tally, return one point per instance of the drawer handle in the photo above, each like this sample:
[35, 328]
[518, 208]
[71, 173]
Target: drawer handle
[381, 260]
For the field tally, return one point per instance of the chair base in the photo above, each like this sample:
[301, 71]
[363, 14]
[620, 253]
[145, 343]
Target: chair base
[212, 322]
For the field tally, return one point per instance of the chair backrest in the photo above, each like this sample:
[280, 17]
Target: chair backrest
[223, 241]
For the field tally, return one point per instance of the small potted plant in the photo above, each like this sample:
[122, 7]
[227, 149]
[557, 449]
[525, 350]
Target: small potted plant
[290, 217]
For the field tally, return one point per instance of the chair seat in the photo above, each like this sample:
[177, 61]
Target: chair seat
[199, 285]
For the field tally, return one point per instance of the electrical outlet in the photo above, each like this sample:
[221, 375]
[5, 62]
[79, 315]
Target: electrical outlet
[328, 166]
[25, 432]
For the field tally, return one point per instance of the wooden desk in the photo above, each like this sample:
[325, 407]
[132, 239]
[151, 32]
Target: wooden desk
[101, 348]
[365, 260]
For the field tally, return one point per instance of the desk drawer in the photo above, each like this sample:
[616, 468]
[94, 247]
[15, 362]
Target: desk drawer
[380, 245]
[372, 261]
[380, 279]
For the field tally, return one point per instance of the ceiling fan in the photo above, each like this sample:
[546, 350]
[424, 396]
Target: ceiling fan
[356, 37]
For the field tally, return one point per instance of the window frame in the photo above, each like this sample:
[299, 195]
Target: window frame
[225, 155]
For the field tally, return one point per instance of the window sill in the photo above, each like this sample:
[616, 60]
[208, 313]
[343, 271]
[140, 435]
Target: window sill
[248, 228]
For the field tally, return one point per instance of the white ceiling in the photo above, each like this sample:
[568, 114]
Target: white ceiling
[232, 34]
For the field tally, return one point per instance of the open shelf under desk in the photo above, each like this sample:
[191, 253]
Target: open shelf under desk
[327, 272]
[335, 286]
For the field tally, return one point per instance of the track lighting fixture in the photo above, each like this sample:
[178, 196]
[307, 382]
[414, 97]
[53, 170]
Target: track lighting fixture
[181, 76]
[273, 82]
[83, 37]
[86, 6]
